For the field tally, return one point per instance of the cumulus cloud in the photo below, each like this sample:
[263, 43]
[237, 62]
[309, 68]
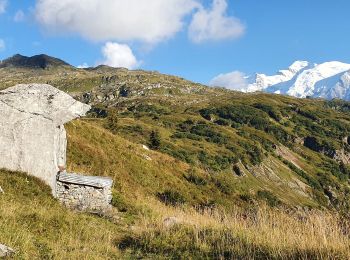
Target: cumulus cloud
[3, 5]
[234, 80]
[2, 45]
[214, 24]
[118, 55]
[19, 16]
[149, 21]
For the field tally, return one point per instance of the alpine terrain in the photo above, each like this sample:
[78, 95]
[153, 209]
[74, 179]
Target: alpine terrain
[198, 172]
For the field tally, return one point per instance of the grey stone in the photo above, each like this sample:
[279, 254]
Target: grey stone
[1, 190]
[171, 221]
[6, 251]
[33, 138]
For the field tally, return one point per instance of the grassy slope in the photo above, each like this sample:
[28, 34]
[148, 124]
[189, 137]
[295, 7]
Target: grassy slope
[95, 150]
[204, 132]
[38, 226]
[232, 133]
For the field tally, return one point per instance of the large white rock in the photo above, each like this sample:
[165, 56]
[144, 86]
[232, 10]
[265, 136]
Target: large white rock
[32, 135]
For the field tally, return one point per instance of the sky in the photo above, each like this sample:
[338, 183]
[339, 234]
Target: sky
[194, 39]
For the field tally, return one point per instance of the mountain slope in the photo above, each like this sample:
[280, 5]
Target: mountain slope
[218, 133]
[220, 157]
[337, 86]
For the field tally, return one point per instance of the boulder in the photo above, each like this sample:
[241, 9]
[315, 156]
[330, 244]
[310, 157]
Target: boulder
[6, 251]
[33, 138]
[171, 221]
[342, 156]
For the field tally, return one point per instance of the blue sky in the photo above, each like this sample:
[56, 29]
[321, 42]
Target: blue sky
[248, 36]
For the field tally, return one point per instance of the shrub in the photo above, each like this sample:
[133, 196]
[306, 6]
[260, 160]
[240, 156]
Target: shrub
[112, 121]
[216, 162]
[180, 154]
[269, 197]
[270, 110]
[170, 197]
[222, 186]
[154, 140]
[194, 178]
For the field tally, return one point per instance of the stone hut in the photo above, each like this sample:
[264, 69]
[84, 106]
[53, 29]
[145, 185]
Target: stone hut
[85, 193]
[32, 134]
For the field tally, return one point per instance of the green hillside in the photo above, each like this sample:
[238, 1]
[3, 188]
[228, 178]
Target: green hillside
[235, 170]
[37, 226]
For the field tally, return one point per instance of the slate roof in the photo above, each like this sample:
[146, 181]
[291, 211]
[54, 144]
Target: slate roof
[93, 181]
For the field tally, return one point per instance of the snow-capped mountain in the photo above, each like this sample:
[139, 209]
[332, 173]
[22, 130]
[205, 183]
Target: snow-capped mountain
[261, 81]
[327, 80]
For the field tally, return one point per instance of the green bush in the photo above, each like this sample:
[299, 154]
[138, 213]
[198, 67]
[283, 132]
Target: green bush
[111, 122]
[154, 140]
[215, 162]
[269, 197]
[170, 197]
[194, 178]
[270, 110]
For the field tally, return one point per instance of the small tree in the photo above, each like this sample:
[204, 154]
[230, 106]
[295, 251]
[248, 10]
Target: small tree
[112, 121]
[154, 140]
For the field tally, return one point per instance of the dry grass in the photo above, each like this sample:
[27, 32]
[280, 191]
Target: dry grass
[38, 227]
[260, 232]
[34, 223]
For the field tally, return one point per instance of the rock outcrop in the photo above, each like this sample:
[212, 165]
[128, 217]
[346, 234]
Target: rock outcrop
[6, 251]
[33, 138]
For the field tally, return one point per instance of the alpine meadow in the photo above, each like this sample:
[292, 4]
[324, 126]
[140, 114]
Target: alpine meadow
[159, 146]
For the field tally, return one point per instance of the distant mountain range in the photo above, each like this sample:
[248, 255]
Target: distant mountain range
[41, 61]
[303, 79]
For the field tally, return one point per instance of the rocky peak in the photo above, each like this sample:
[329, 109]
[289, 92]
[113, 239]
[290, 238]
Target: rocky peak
[41, 61]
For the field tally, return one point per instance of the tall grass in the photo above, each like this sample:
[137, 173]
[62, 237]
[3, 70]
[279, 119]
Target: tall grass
[261, 232]
[38, 227]
[34, 223]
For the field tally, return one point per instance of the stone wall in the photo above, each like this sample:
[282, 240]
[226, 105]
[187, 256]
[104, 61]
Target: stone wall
[84, 193]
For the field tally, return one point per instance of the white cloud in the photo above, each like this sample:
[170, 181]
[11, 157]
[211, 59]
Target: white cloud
[3, 5]
[2, 45]
[19, 16]
[214, 24]
[234, 80]
[118, 55]
[83, 66]
[149, 21]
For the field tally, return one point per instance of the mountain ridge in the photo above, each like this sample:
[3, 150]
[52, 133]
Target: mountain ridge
[41, 61]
